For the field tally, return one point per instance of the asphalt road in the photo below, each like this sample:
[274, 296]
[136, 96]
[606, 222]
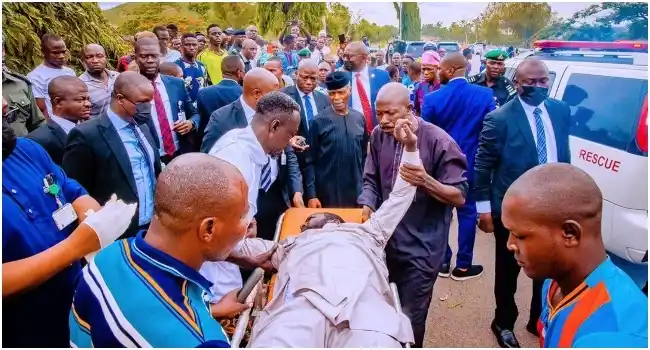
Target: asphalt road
[461, 312]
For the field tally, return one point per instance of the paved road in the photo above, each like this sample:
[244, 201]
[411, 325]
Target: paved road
[461, 312]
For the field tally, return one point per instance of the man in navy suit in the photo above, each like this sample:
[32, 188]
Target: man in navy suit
[525, 132]
[174, 119]
[365, 81]
[227, 91]
[459, 109]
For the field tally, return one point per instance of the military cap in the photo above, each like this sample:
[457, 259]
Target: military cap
[337, 80]
[239, 32]
[304, 52]
[496, 54]
[229, 31]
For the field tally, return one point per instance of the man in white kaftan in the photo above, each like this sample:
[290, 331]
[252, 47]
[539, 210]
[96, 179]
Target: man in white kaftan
[332, 285]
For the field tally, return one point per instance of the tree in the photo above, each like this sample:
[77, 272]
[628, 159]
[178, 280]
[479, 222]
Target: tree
[273, 16]
[79, 23]
[338, 19]
[411, 25]
[634, 15]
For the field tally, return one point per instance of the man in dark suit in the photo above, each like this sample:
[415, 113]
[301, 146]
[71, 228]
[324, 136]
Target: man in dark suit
[238, 114]
[525, 132]
[365, 81]
[174, 120]
[70, 105]
[459, 110]
[112, 154]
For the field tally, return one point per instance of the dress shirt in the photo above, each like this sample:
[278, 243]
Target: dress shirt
[365, 80]
[65, 124]
[171, 56]
[312, 101]
[249, 112]
[142, 173]
[551, 145]
[168, 110]
[240, 148]
[100, 93]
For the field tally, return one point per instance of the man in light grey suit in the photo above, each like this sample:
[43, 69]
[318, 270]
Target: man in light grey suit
[332, 285]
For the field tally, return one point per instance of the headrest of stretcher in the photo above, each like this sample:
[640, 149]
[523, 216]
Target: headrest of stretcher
[295, 217]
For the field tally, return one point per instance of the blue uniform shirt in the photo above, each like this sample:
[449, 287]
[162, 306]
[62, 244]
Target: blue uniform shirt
[607, 310]
[36, 318]
[194, 76]
[134, 295]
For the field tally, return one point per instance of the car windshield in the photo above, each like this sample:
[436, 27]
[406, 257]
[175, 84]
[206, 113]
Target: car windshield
[415, 49]
[449, 47]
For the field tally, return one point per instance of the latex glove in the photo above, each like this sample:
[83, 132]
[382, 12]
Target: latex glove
[110, 221]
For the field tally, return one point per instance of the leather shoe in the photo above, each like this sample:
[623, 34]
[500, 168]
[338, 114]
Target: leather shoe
[505, 337]
[532, 329]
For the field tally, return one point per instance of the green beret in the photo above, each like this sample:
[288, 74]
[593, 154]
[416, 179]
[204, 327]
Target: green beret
[496, 54]
[304, 52]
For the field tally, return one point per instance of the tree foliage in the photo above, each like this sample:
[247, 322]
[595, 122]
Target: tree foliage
[410, 22]
[79, 23]
[273, 16]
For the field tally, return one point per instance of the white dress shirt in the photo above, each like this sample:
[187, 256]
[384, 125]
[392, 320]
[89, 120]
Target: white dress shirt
[249, 112]
[365, 80]
[312, 101]
[168, 110]
[551, 145]
[240, 148]
[65, 124]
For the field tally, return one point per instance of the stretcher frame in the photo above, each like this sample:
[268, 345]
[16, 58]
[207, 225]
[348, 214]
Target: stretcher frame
[244, 318]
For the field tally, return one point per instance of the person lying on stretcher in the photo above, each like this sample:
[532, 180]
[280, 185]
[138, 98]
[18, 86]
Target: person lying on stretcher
[332, 285]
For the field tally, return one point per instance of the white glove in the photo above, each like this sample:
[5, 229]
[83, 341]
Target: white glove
[110, 221]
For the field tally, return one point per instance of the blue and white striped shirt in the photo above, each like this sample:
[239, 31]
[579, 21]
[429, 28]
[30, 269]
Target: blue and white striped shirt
[133, 295]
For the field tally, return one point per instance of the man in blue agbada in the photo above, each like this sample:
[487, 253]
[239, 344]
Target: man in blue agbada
[147, 291]
[459, 109]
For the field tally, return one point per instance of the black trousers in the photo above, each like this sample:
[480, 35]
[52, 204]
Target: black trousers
[506, 272]
[414, 280]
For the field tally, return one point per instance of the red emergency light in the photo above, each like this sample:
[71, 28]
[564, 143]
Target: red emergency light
[621, 46]
[642, 129]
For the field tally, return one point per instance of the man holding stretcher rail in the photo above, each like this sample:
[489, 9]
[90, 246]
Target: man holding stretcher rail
[332, 288]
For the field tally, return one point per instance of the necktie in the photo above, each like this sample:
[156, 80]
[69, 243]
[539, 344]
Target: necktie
[541, 136]
[365, 104]
[143, 149]
[265, 179]
[165, 128]
[247, 66]
[309, 111]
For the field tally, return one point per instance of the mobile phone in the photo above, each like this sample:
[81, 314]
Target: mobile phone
[294, 22]
[341, 38]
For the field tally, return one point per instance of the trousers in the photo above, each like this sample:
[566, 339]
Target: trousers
[466, 232]
[506, 273]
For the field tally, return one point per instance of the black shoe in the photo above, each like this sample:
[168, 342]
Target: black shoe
[444, 271]
[505, 337]
[471, 272]
[532, 329]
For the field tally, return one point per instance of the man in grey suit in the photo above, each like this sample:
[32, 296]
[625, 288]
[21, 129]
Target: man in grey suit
[525, 132]
[257, 83]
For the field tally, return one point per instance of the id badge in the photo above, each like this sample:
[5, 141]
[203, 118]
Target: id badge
[181, 112]
[64, 216]
[283, 159]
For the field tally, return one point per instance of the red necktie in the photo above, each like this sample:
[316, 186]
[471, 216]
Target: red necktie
[165, 128]
[365, 104]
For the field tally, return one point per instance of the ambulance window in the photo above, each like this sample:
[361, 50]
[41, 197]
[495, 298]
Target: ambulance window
[604, 109]
[551, 79]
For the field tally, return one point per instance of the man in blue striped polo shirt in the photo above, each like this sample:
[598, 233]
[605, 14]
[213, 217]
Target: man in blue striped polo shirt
[146, 291]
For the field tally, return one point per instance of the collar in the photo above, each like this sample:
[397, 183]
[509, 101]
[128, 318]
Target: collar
[65, 124]
[229, 81]
[249, 112]
[117, 121]
[602, 272]
[189, 64]
[456, 78]
[243, 57]
[302, 94]
[158, 80]
[530, 109]
[85, 76]
[167, 262]
[364, 73]
[259, 156]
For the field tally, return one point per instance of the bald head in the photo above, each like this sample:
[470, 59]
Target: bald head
[93, 48]
[64, 85]
[392, 104]
[196, 186]
[249, 48]
[307, 65]
[130, 90]
[557, 192]
[69, 97]
[395, 92]
[248, 43]
[532, 81]
[127, 83]
[452, 65]
[231, 66]
[357, 48]
[257, 83]
[530, 63]
[145, 41]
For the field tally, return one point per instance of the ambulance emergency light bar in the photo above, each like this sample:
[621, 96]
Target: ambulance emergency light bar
[549, 46]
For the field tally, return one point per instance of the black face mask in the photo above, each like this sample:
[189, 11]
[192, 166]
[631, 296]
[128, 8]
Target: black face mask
[8, 139]
[349, 66]
[142, 112]
[533, 95]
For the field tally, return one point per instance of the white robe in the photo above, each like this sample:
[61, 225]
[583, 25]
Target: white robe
[332, 285]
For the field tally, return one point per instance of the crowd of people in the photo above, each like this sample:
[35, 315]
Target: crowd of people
[189, 153]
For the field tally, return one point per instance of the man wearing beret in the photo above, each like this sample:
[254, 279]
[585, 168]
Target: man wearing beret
[338, 144]
[503, 89]
[239, 36]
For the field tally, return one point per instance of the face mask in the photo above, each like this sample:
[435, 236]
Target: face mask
[142, 112]
[533, 95]
[349, 66]
[8, 139]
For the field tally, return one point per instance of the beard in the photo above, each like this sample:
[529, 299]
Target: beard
[8, 139]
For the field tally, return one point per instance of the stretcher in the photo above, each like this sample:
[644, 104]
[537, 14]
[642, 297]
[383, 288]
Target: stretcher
[288, 225]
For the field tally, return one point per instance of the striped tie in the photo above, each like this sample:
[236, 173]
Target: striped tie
[265, 181]
[541, 136]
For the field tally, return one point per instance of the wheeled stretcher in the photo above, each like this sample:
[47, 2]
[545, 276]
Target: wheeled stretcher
[288, 225]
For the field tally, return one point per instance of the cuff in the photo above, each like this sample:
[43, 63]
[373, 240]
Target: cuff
[483, 207]
[411, 157]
